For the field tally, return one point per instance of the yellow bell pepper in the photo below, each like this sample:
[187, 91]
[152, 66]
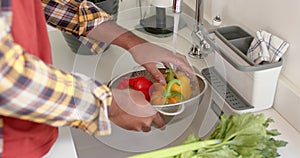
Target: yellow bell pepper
[185, 85]
[175, 99]
[176, 88]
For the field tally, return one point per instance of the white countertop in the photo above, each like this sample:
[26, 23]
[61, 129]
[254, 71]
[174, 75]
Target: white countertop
[64, 146]
[288, 133]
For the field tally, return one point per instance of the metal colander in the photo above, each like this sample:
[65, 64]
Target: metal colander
[198, 87]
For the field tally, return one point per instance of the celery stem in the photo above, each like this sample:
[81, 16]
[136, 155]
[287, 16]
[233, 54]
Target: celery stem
[172, 151]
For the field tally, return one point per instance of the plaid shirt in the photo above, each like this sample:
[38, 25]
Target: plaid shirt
[32, 90]
[76, 17]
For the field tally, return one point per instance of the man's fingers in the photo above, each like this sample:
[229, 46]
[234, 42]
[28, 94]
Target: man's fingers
[183, 64]
[146, 129]
[156, 74]
[158, 121]
[133, 102]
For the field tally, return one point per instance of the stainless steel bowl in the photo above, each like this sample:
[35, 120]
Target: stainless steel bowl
[198, 87]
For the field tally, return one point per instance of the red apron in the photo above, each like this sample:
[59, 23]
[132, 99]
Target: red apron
[24, 138]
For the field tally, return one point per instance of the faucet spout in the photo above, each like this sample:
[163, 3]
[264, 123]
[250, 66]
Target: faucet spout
[199, 44]
[177, 6]
[199, 14]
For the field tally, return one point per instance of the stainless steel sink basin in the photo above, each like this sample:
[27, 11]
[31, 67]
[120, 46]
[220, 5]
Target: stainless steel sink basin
[116, 61]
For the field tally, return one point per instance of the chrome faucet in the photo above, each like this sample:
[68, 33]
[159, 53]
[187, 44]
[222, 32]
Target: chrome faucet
[200, 46]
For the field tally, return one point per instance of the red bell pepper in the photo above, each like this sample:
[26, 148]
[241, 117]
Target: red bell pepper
[137, 83]
[141, 84]
[124, 83]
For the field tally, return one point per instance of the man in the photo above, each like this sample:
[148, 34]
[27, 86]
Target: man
[36, 98]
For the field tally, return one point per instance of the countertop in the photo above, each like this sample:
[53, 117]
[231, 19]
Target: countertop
[65, 147]
[288, 133]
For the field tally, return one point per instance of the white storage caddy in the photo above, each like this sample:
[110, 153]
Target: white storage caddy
[254, 83]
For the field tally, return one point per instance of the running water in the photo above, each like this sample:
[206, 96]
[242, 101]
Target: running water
[175, 34]
[175, 30]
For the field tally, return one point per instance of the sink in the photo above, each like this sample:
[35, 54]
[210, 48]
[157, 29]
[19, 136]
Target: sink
[116, 61]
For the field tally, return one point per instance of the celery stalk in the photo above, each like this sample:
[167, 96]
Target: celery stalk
[172, 151]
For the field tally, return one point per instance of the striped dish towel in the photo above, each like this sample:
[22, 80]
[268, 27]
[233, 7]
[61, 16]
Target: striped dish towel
[266, 48]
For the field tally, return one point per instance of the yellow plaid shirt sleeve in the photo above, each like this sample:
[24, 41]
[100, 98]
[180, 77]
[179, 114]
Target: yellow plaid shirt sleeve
[76, 17]
[32, 90]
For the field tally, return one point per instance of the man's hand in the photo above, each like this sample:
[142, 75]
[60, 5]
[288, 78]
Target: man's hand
[130, 110]
[144, 53]
[149, 55]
